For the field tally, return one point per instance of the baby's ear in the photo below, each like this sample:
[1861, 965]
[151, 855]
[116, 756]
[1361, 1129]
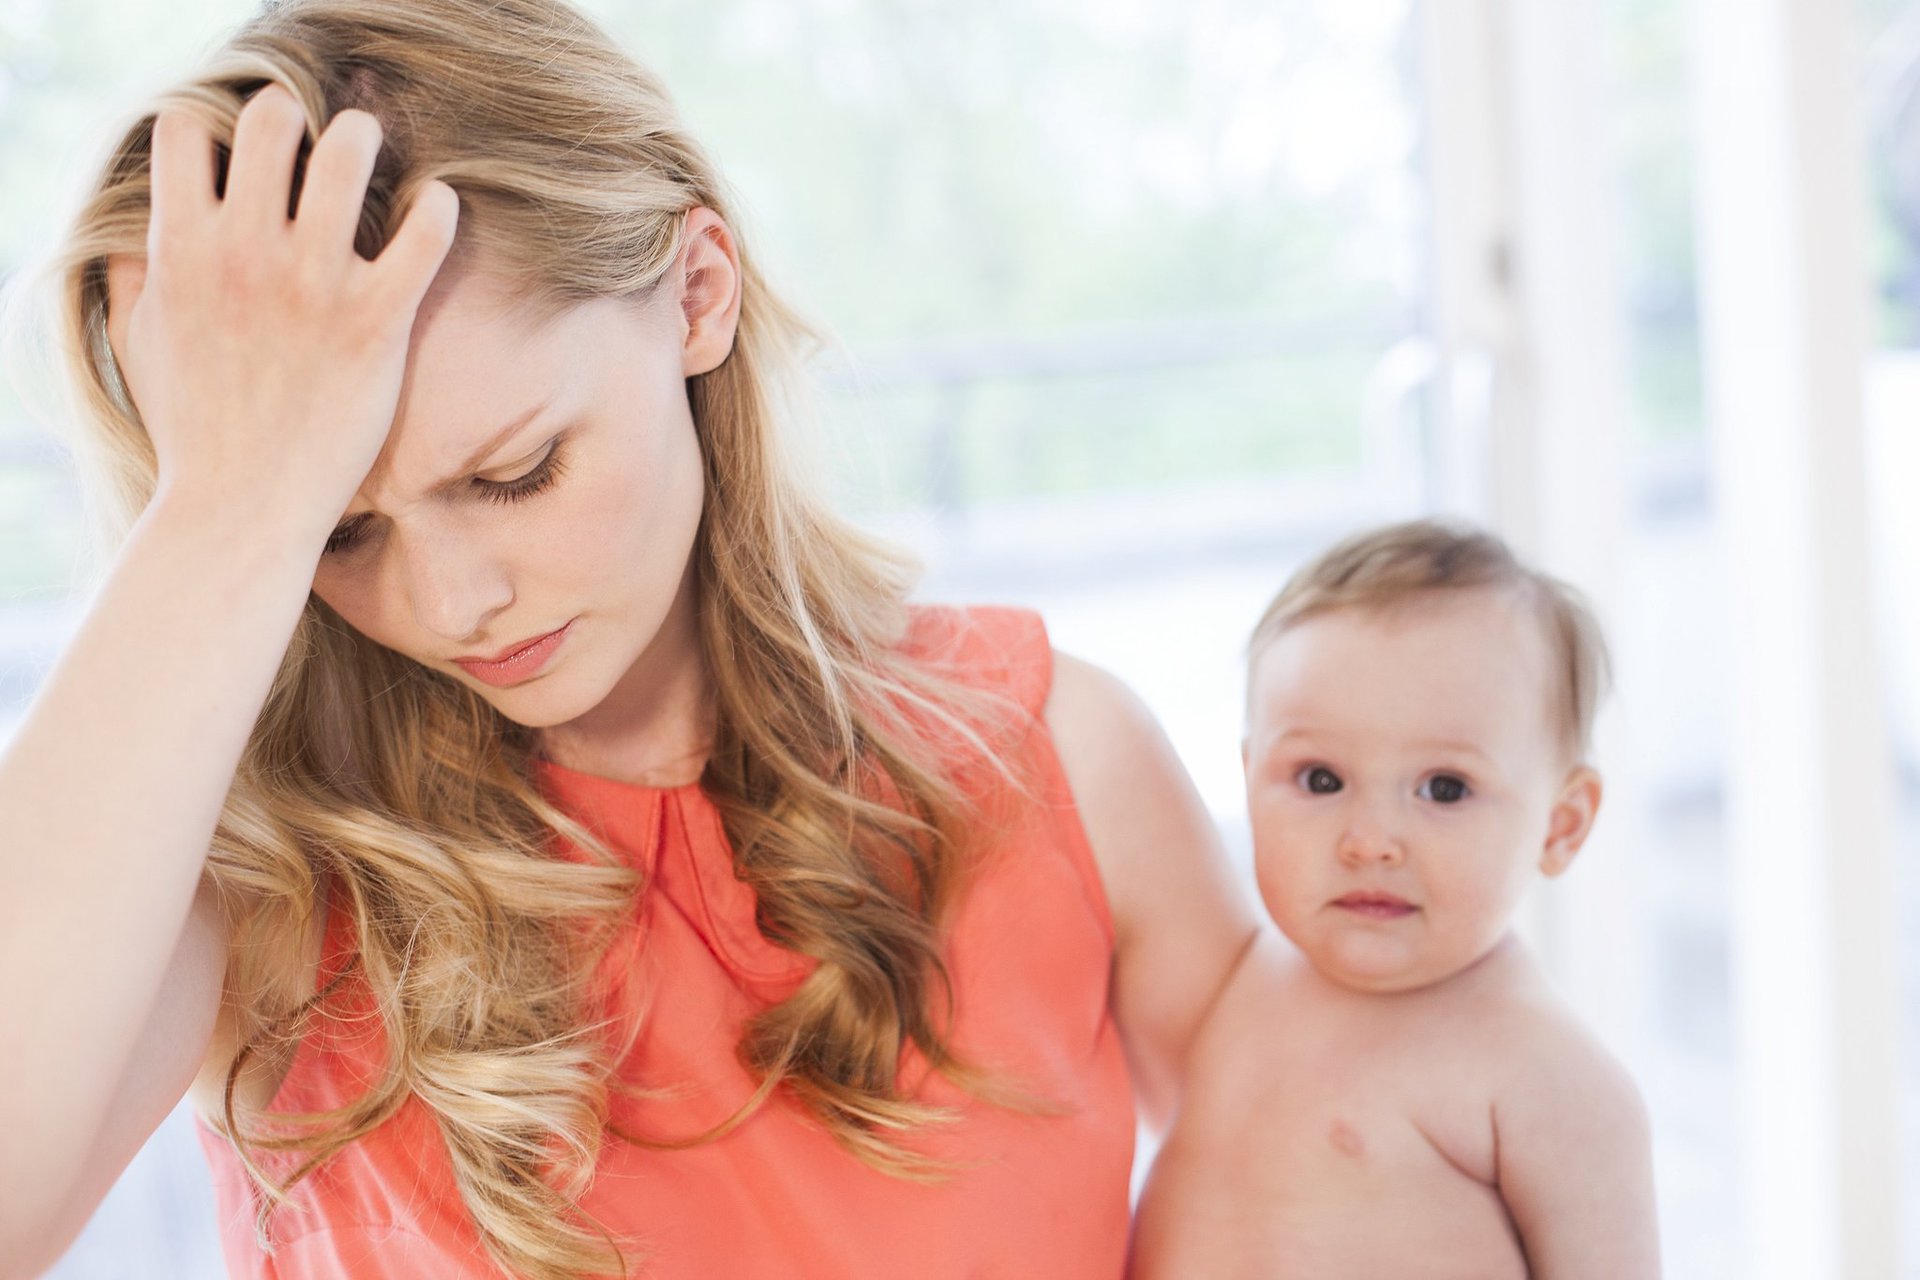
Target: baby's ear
[1571, 820]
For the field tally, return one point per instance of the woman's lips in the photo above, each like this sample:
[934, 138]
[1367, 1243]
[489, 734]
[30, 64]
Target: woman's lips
[1375, 906]
[521, 663]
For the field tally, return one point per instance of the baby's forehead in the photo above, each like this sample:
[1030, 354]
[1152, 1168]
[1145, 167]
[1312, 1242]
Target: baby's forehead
[1462, 621]
[1479, 656]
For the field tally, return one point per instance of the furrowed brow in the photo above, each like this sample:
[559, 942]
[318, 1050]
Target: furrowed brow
[473, 461]
[493, 442]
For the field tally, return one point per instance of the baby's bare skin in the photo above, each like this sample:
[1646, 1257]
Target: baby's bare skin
[1336, 1133]
[1389, 1089]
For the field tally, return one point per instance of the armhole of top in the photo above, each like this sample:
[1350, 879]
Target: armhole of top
[997, 649]
[335, 953]
[1072, 828]
[1017, 642]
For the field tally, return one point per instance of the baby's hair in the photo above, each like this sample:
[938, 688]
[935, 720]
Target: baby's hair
[1400, 564]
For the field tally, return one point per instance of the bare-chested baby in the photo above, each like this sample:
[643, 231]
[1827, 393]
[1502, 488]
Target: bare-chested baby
[1391, 1091]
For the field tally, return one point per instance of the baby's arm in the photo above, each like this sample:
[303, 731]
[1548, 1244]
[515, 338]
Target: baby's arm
[1575, 1162]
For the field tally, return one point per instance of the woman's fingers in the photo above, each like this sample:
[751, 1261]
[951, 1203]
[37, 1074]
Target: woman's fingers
[265, 141]
[182, 169]
[264, 357]
[413, 257]
[335, 189]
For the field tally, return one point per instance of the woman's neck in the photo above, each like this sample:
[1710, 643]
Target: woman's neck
[655, 726]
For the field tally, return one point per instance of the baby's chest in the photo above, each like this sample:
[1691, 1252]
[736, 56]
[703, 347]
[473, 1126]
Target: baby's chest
[1360, 1129]
[1324, 1169]
[1329, 1103]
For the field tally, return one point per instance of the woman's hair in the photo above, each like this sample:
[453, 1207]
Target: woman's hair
[1400, 565]
[410, 802]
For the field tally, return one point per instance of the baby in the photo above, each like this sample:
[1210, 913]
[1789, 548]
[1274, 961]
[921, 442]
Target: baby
[1398, 1094]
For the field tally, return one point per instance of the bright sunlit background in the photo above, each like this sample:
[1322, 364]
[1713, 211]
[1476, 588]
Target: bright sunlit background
[1140, 302]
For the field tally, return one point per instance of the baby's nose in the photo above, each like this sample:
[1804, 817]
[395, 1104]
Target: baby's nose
[1371, 845]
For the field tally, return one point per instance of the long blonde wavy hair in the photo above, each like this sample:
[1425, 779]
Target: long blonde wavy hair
[411, 799]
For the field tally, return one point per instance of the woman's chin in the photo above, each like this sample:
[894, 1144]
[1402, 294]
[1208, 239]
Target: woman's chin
[550, 699]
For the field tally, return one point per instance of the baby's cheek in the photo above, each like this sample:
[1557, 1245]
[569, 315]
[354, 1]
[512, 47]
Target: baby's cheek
[1478, 915]
[1281, 881]
[1273, 901]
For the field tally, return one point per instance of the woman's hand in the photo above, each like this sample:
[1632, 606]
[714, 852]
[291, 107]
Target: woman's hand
[265, 356]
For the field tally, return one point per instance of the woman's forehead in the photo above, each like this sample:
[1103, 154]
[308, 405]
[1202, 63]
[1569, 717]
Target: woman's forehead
[480, 348]
[477, 365]
[472, 357]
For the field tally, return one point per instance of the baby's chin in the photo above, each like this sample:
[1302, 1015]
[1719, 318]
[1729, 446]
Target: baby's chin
[1373, 965]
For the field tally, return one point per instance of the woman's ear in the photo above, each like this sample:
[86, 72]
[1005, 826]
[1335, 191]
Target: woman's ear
[708, 273]
[1571, 821]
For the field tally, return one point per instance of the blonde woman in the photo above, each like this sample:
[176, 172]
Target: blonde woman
[540, 838]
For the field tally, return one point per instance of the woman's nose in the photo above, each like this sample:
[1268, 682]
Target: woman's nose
[453, 586]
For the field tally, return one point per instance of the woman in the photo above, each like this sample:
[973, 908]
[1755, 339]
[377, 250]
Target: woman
[607, 868]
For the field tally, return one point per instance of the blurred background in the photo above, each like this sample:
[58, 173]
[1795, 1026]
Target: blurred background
[1137, 303]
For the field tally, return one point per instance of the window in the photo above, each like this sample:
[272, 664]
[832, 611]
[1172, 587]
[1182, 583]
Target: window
[1134, 304]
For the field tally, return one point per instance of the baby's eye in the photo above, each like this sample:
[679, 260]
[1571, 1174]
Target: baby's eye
[1319, 780]
[1444, 788]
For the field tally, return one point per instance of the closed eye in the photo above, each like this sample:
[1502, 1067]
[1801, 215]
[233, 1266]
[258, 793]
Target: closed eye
[346, 536]
[541, 476]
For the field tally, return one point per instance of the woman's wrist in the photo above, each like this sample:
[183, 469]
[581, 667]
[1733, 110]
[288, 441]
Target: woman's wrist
[259, 531]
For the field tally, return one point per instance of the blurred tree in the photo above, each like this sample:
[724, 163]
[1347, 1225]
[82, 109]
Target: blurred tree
[1136, 187]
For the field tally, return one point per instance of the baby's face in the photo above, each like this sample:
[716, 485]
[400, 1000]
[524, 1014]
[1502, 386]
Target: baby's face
[1406, 782]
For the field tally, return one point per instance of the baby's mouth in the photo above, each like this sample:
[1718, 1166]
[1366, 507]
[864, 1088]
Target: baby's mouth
[1375, 906]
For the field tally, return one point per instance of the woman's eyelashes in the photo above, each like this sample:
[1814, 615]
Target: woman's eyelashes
[346, 537]
[539, 477]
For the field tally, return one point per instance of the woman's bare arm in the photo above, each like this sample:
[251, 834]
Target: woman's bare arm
[161, 1061]
[110, 791]
[1181, 922]
[265, 358]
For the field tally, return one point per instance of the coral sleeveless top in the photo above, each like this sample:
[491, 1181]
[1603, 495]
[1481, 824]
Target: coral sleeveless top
[1029, 950]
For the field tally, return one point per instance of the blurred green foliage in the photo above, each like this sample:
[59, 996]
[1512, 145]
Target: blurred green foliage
[1650, 114]
[928, 177]
[931, 179]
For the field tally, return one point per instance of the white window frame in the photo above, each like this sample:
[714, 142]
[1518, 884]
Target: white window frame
[1527, 316]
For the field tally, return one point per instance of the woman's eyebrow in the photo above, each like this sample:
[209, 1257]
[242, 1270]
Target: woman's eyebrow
[473, 461]
[493, 442]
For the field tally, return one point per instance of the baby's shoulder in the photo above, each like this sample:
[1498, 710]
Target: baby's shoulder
[1539, 1053]
[1266, 1014]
